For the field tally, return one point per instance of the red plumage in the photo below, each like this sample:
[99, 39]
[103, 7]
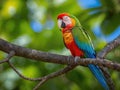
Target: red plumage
[70, 43]
[75, 51]
[69, 39]
[60, 16]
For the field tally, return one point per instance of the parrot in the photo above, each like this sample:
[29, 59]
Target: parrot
[79, 43]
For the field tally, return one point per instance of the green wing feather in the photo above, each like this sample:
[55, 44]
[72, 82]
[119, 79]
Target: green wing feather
[84, 42]
[82, 39]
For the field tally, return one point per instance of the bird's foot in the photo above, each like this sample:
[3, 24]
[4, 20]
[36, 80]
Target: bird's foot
[76, 59]
[70, 61]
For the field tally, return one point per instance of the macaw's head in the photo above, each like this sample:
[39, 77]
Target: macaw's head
[66, 21]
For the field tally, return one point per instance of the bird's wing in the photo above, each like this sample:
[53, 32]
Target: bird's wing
[83, 41]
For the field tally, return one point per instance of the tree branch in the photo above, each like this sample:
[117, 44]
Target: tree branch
[32, 54]
[10, 55]
[22, 76]
[54, 74]
[40, 79]
[54, 58]
[108, 78]
[109, 47]
[12, 50]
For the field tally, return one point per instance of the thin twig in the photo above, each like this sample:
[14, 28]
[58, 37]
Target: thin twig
[99, 62]
[21, 75]
[54, 74]
[43, 56]
[10, 54]
[108, 78]
[60, 59]
[110, 46]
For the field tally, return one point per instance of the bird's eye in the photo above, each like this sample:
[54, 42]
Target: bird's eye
[65, 18]
[59, 23]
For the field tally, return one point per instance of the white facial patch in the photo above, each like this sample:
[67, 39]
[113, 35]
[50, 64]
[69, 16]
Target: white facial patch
[67, 20]
[59, 23]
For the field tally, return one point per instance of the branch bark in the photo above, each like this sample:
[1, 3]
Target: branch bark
[31, 53]
[109, 47]
[12, 50]
[59, 59]
[10, 55]
[54, 74]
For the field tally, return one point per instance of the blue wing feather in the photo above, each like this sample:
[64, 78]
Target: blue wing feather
[87, 48]
[99, 75]
[89, 52]
[85, 44]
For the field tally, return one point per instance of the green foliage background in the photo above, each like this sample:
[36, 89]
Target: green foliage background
[15, 26]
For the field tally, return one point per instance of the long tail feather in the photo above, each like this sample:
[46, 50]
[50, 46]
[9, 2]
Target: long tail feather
[99, 75]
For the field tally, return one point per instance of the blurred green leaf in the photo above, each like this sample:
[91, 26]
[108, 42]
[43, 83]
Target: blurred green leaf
[110, 23]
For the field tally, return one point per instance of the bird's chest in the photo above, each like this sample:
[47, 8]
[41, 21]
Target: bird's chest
[68, 37]
[71, 45]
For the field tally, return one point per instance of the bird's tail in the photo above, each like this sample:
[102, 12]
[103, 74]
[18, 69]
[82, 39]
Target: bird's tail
[99, 75]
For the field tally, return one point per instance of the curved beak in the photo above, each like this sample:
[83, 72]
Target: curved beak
[63, 25]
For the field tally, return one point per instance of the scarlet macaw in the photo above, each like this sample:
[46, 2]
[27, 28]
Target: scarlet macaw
[77, 40]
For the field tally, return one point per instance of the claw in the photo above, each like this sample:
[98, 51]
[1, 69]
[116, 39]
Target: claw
[70, 61]
[76, 58]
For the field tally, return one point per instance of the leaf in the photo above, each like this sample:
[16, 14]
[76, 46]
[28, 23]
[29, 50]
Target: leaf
[110, 23]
